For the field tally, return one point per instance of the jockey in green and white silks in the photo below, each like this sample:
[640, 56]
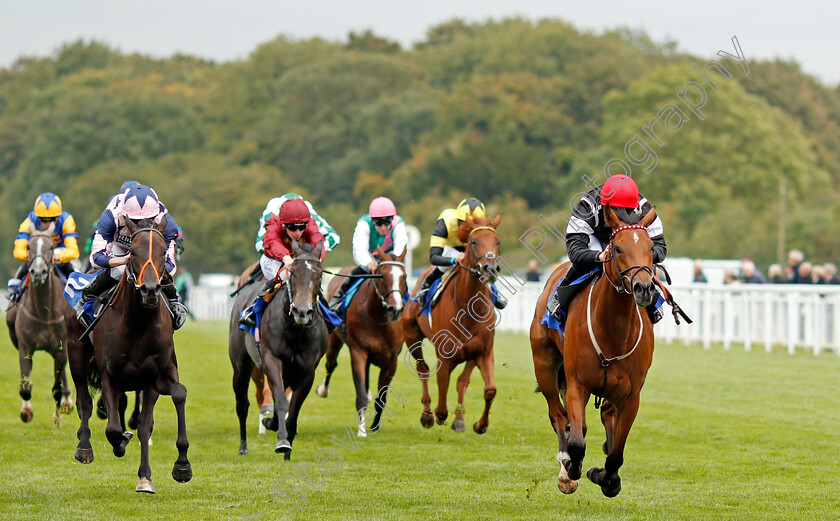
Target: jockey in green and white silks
[382, 228]
[331, 238]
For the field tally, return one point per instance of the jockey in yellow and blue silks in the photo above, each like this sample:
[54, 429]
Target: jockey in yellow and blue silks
[445, 248]
[47, 210]
[382, 228]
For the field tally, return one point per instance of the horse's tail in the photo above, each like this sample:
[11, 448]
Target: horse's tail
[94, 379]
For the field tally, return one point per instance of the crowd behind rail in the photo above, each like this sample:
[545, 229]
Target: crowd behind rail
[797, 271]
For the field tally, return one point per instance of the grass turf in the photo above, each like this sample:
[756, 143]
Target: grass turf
[720, 435]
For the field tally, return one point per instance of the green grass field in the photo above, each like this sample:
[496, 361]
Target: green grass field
[720, 435]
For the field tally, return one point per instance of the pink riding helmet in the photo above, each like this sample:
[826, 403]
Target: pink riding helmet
[141, 202]
[382, 207]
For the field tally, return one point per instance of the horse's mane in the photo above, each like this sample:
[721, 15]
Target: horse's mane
[463, 233]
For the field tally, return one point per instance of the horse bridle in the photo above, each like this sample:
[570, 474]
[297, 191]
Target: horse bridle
[489, 255]
[383, 299]
[48, 263]
[135, 279]
[289, 290]
[625, 284]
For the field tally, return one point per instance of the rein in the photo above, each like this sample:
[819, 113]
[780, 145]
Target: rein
[383, 299]
[289, 291]
[625, 284]
[489, 255]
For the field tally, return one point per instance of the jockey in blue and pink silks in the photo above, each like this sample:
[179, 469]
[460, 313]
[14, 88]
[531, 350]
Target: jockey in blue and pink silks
[112, 240]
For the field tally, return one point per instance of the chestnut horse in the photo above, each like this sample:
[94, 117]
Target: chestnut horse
[133, 350]
[372, 332]
[607, 351]
[293, 340]
[461, 326]
[37, 322]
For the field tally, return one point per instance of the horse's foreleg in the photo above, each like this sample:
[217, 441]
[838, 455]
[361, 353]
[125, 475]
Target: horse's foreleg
[25, 359]
[608, 419]
[274, 374]
[114, 431]
[359, 362]
[607, 477]
[463, 383]
[386, 374]
[485, 365]
[78, 370]
[576, 398]
[298, 396]
[66, 404]
[330, 362]
[145, 427]
[181, 471]
[443, 375]
[241, 381]
[414, 340]
[59, 378]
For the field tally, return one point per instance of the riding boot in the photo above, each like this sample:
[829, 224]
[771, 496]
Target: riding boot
[179, 310]
[248, 318]
[14, 285]
[654, 313]
[558, 304]
[99, 285]
[422, 295]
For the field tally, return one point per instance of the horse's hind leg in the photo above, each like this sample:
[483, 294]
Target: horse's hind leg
[66, 404]
[114, 431]
[25, 359]
[134, 419]
[576, 398]
[298, 396]
[84, 406]
[144, 431]
[443, 376]
[414, 340]
[608, 419]
[485, 365]
[241, 381]
[386, 374]
[463, 383]
[181, 471]
[359, 362]
[330, 362]
[607, 477]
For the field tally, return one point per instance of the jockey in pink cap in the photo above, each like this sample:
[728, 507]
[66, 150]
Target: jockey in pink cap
[380, 227]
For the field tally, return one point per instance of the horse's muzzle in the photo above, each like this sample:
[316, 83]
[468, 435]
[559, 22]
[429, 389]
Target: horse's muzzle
[644, 293]
[303, 315]
[490, 271]
[149, 296]
[39, 276]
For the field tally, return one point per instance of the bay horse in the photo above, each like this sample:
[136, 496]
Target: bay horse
[37, 322]
[132, 349]
[373, 333]
[461, 326]
[293, 339]
[607, 351]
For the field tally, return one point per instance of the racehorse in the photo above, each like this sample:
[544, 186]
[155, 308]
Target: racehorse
[133, 350]
[607, 351]
[37, 322]
[293, 340]
[461, 325]
[372, 332]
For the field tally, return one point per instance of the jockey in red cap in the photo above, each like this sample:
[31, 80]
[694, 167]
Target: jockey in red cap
[587, 236]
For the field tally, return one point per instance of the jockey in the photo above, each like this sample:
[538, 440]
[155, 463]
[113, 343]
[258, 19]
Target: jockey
[380, 227]
[587, 236]
[47, 210]
[111, 243]
[331, 238]
[445, 248]
[294, 223]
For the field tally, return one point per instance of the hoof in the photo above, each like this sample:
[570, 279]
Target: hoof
[426, 420]
[441, 417]
[612, 486]
[243, 452]
[287, 456]
[322, 391]
[267, 423]
[479, 429]
[83, 455]
[66, 406]
[595, 474]
[132, 422]
[26, 413]
[361, 433]
[283, 446]
[567, 486]
[182, 474]
[145, 485]
[458, 426]
[119, 450]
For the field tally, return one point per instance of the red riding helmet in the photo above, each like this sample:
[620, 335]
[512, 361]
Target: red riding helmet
[620, 191]
[294, 211]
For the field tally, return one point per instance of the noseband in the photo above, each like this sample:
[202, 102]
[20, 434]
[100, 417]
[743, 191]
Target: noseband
[135, 279]
[625, 284]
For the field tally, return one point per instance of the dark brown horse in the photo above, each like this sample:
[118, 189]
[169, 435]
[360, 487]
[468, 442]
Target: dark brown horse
[607, 351]
[37, 322]
[133, 350]
[461, 326]
[293, 340]
[373, 333]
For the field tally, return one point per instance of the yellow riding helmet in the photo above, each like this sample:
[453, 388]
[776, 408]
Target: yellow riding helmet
[471, 206]
[48, 205]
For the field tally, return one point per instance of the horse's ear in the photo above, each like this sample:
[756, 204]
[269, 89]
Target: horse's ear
[610, 218]
[295, 247]
[401, 258]
[380, 253]
[469, 220]
[130, 226]
[32, 227]
[318, 249]
[495, 222]
[51, 228]
[648, 218]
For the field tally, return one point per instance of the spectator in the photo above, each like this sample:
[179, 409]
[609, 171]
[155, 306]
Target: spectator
[729, 277]
[831, 276]
[776, 275]
[533, 274]
[818, 275]
[699, 276]
[804, 273]
[795, 258]
[750, 274]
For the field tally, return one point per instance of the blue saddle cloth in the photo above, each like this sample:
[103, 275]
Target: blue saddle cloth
[348, 297]
[76, 282]
[259, 309]
[427, 306]
[551, 321]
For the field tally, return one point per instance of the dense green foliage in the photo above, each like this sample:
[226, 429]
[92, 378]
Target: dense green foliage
[510, 111]
[719, 435]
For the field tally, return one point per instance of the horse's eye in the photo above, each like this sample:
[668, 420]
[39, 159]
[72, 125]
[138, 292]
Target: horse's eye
[617, 250]
[472, 241]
